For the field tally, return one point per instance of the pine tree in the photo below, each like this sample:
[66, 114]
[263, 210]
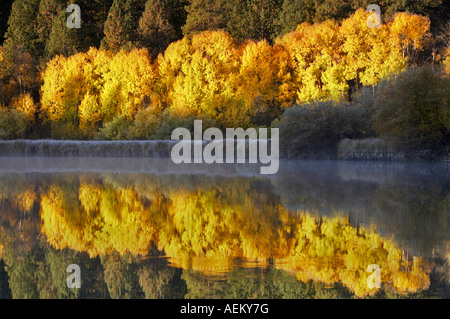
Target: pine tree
[155, 32]
[292, 13]
[133, 10]
[21, 27]
[5, 10]
[94, 15]
[48, 12]
[252, 19]
[176, 14]
[205, 15]
[115, 29]
[62, 40]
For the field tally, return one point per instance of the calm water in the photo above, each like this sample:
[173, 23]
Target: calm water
[147, 228]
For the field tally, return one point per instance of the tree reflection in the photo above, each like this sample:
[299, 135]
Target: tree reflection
[108, 223]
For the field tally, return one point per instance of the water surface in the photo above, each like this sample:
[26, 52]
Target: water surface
[147, 228]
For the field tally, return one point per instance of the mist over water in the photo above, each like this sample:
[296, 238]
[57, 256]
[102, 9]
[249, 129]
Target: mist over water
[151, 202]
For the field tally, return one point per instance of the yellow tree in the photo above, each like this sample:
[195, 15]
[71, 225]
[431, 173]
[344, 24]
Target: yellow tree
[199, 75]
[63, 88]
[126, 83]
[259, 79]
[315, 55]
[447, 61]
[357, 45]
[24, 103]
[209, 76]
[410, 32]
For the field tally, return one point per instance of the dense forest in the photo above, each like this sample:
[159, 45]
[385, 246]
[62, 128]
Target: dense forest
[137, 69]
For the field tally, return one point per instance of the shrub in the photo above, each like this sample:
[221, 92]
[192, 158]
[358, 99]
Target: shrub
[151, 124]
[314, 129]
[412, 112]
[13, 124]
[117, 129]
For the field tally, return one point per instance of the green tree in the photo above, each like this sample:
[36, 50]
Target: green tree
[115, 30]
[413, 111]
[46, 17]
[93, 16]
[205, 15]
[291, 14]
[21, 27]
[155, 32]
[5, 10]
[176, 14]
[253, 19]
[62, 40]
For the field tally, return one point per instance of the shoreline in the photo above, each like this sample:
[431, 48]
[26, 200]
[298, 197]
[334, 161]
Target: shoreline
[346, 150]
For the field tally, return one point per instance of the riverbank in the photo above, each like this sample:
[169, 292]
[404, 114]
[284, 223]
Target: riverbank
[359, 150]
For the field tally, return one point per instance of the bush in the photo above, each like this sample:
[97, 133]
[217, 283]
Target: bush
[412, 112]
[314, 130]
[13, 124]
[151, 124]
[117, 129]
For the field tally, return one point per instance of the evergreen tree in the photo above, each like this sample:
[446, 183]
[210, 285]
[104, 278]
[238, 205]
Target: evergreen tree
[94, 15]
[48, 12]
[292, 13]
[62, 40]
[253, 19]
[155, 32]
[115, 29]
[176, 14]
[21, 27]
[133, 10]
[5, 10]
[206, 15]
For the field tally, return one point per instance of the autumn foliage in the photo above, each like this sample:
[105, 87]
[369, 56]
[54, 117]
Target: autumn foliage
[237, 84]
[205, 229]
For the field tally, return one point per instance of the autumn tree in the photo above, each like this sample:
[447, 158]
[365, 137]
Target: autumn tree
[199, 77]
[86, 89]
[315, 55]
[260, 80]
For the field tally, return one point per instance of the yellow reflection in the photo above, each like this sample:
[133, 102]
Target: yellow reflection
[205, 229]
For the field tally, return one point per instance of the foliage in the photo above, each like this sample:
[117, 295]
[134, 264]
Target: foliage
[117, 129]
[201, 230]
[155, 32]
[61, 39]
[205, 15]
[413, 111]
[21, 30]
[318, 127]
[13, 124]
[115, 30]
